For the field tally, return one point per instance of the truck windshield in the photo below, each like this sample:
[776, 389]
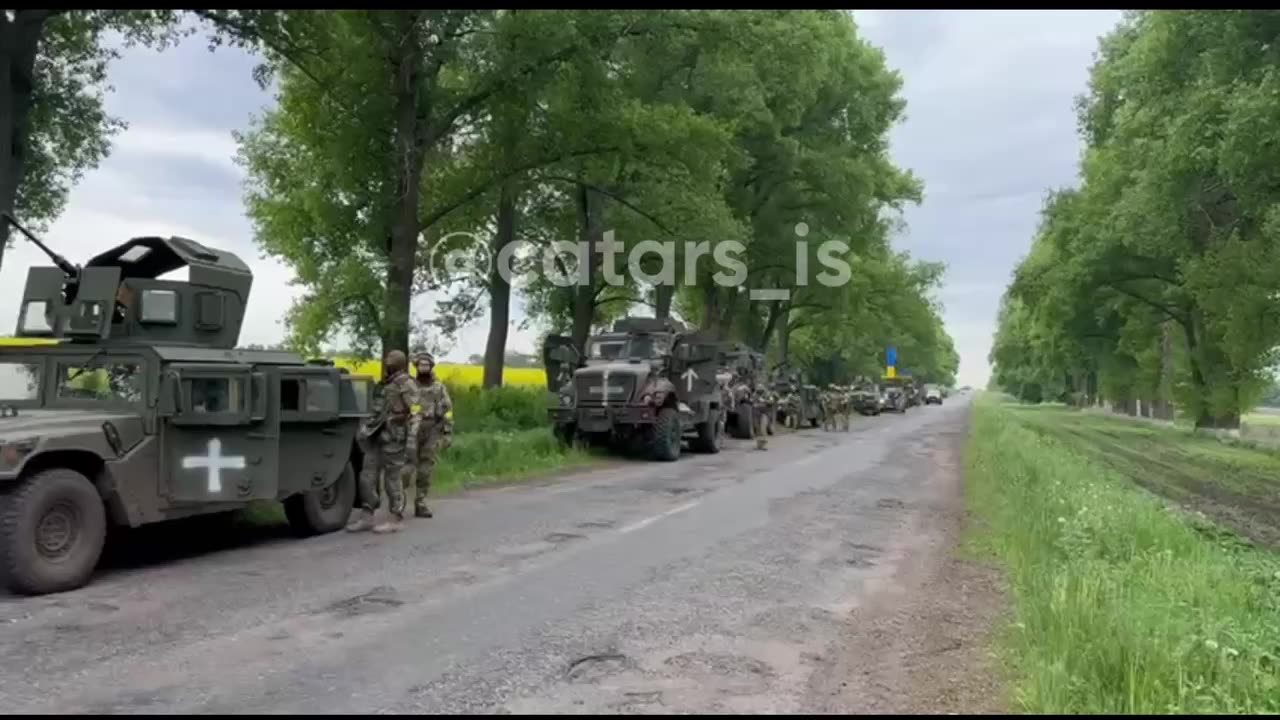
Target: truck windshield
[19, 381]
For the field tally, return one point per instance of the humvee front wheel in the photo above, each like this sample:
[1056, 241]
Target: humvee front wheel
[52, 528]
[316, 512]
[709, 435]
[664, 443]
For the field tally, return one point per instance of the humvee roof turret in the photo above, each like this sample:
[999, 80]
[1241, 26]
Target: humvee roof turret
[124, 401]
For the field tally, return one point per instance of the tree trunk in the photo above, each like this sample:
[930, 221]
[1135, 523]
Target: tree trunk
[784, 337]
[495, 350]
[662, 301]
[591, 224]
[776, 312]
[19, 43]
[410, 141]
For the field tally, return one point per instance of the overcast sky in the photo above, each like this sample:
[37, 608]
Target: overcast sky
[990, 127]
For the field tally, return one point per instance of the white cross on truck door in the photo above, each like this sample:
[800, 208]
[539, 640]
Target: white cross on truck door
[214, 463]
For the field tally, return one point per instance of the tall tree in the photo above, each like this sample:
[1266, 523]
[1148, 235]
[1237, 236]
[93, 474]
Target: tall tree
[51, 112]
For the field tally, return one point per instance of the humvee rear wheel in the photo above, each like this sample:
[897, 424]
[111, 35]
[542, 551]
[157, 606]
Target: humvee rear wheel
[316, 512]
[664, 443]
[52, 528]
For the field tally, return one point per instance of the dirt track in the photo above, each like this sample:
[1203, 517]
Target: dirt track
[815, 576]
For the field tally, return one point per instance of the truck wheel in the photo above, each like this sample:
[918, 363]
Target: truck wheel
[52, 528]
[708, 440]
[664, 443]
[565, 434]
[742, 428]
[316, 512]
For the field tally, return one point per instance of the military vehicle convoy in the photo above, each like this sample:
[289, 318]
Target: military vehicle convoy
[804, 406]
[130, 404]
[894, 394]
[864, 397]
[647, 385]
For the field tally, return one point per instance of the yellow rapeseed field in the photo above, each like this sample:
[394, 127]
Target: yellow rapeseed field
[452, 373]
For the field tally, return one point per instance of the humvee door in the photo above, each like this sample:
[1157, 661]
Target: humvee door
[695, 360]
[560, 358]
[221, 435]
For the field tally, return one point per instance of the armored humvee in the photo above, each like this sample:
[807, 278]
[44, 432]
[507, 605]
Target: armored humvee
[123, 401]
[740, 363]
[805, 399]
[894, 396]
[648, 384]
[864, 397]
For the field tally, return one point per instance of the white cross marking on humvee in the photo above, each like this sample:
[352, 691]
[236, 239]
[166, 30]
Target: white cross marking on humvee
[604, 387]
[215, 463]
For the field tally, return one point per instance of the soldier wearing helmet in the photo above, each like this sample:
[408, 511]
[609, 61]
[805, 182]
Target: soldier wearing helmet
[435, 427]
[390, 440]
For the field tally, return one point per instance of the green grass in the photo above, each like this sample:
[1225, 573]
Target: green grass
[1122, 604]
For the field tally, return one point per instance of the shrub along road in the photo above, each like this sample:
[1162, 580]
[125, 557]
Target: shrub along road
[814, 576]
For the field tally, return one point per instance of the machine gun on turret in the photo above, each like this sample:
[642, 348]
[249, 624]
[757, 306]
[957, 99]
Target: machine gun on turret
[71, 271]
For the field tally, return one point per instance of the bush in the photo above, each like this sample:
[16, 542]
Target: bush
[502, 409]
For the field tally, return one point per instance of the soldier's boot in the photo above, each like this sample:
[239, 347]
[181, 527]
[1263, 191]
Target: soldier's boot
[390, 525]
[361, 520]
[761, 442]
[420, 509]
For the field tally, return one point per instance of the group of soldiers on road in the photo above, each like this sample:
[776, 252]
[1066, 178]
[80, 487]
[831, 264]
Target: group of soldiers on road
[412, 420]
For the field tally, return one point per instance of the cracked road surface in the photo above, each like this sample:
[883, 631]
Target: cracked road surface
[723, 583]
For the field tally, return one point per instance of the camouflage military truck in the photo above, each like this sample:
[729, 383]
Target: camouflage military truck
[649, 384]
[124, 402]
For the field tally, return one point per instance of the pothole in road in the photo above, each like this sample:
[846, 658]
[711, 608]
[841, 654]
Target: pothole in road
[890, 504]
[677, 490]
[379, 599]
[595, 667]
[560, 537]
[596, 525]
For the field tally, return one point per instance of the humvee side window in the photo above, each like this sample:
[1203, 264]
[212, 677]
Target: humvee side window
[215, 394]
[115, 382]
[290, 394]
[322, 396]
[34, 318]
[19, 381]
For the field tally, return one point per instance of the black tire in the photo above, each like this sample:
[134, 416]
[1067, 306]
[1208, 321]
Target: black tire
[664, 443]
[317, 512]
[742, 427]
[566, 434]
[52, 529]
[708, 440]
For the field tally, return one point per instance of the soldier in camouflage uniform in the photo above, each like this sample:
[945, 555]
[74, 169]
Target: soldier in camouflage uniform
[435, 427]
[390, 440]
[763, 402]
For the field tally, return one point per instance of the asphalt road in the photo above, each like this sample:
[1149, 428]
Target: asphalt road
[713, 584]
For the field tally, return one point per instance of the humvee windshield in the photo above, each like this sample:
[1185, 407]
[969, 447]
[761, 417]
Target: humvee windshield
[636, 347]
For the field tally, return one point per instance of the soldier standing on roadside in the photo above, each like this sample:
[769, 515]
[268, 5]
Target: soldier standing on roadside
[763, 402]
[390, 437]
[435, 427]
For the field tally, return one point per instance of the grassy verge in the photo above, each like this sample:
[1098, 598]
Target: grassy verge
[1122, 603]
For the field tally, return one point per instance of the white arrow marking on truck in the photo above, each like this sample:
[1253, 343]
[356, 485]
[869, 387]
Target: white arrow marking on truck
[214, 463]
[689, 376]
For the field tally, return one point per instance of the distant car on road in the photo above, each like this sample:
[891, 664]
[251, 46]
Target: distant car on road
[932, 395]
